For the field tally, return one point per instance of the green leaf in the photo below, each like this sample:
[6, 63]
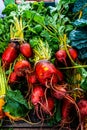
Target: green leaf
[39, 19]
[9, 8]
[83, 83]
[15, 104]
[58, 111]
[28, 14]
[45, 34]
[64, 4]
[69, 28]
[31, 29]
[34, 42]
[6, 2]
[38, 28]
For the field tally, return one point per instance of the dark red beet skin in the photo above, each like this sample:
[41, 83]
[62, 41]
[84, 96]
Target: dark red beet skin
[73, 53]
[26, 50]
[46, 72]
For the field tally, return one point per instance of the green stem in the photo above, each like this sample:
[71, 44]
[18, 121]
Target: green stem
[37, 53]
[73, 67]
[53, 28]
[65, 45]
[52, 34]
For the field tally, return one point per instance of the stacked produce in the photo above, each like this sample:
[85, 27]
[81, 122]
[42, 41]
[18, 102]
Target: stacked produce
[42, 67]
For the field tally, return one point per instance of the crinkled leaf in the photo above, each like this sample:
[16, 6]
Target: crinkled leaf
[80, 22]
[78, 35]
[78, 40]
[81, 5]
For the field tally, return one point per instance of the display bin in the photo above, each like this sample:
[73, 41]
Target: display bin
[6, 124]
[21, 125]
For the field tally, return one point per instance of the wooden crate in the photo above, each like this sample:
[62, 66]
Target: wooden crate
[21, 125]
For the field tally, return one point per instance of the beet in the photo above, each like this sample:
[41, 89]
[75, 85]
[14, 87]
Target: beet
[37, 94]
[70, 112]
[22, 67]
[82, 104]
[9, 55]
[13, 78]
[46, 72]
[26, 50]
[48, 105]
[61, 56]
[73, 53]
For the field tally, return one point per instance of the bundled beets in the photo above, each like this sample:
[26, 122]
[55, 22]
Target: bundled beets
[17, 52]
[62, 57]
[12, 51]
[41, 78]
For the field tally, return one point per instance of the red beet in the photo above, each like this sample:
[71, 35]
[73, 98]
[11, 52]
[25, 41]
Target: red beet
[26, 50]
[13, 78]
[46, 72]
[41, 103]
[48, 106]
[22, 67]
[70, 110]
[73, 53]
[37, 94]
[9, 55]
[61, 56]
[82, 104]
[67, 105]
